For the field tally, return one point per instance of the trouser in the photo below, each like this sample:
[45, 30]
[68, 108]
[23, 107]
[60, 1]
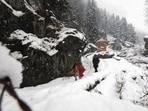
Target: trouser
[96, 68]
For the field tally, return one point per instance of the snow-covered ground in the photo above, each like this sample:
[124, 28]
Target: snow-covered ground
[120, 82]
[135, 56]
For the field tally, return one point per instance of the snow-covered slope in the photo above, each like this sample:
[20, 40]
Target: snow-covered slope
[117, 79]
[121, 79]
[135, 55]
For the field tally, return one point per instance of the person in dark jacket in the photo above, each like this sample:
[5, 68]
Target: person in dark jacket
[95, 62]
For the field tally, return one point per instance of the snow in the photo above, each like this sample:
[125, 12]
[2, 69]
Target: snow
[10, 67]
[37, 43]
[47, 45]
[101, 40]
[122, 72]
[119, 83]
[18, 13]
[65, 32]
[88, 46]
[135, 56]
[145, 36]
[17, 55]
[15, 12]
[110, 38]
[66, 94]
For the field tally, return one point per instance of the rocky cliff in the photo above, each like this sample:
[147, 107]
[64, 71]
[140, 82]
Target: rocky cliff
[35, 32]
[45, 59]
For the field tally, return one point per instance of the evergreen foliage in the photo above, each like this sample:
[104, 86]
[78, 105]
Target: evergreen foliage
[92, 29]
[96, 22]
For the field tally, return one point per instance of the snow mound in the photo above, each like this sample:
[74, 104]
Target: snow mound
[10, 67]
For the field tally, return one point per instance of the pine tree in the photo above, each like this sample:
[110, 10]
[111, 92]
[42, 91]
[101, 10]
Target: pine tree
[92, 28]
[131, 34]
[118, 32]
[78, 9]
[111, 25]
[123, 29]
[104, 20]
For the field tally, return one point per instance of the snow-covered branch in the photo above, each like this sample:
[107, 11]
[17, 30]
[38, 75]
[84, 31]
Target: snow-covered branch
[30, 8]
[15, 12]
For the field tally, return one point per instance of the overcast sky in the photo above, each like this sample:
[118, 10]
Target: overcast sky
[133, 10]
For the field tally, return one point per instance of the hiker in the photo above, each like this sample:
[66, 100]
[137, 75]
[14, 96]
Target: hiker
[78, 70]
[95, 62]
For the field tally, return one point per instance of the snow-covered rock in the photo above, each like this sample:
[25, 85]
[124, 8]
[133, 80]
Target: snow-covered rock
[55, 54]
[47, 45]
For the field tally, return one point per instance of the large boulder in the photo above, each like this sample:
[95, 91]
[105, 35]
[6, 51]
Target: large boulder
[47, 58]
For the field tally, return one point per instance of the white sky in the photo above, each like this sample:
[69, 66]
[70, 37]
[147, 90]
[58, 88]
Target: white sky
[133, 10]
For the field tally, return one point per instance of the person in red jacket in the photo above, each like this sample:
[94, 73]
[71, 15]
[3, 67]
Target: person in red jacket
[78, 70]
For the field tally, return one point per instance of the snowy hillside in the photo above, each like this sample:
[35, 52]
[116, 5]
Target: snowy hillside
[35, 33]
[116, 79]
[135, 56]
[119, 77]
[134, 53]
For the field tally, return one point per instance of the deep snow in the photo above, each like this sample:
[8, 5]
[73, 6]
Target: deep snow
[66, 94]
